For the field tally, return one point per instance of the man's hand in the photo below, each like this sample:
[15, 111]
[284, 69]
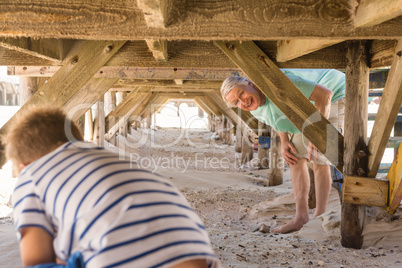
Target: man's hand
[312, 152]
[287, 150]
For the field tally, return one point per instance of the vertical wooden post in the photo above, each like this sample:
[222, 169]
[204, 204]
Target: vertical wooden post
[247, 149]
[28, 86]
[89, 124]
[275, 172]
[200, 112]
[149, 120]
[99, 133]
[120, 95]
[397, 133]
[110, 102]
[263, 153]
[311, 194]
[357, 79]
[231, 134]
[239, 138]
[213, 123]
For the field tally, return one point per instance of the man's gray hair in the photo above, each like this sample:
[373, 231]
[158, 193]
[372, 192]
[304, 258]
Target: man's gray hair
[230, 83]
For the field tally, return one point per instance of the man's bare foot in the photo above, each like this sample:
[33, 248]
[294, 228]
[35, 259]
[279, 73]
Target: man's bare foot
[289, 227]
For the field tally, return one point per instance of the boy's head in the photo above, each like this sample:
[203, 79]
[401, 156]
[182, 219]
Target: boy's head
[37, 131]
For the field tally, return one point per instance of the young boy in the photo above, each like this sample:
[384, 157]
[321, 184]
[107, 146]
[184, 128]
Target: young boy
[79, 205]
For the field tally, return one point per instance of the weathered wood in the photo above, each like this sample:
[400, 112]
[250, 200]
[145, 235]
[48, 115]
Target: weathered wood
[87, 96]
[276, 163]
[312, 203]
[382, 53]
[355, 155]
[364, 191]
[263, 153]
[131, 116]
[155, 12]
[239, 139]
[99, 133]
[122, 109]
[89, 126]
[211, 105]
[288, 98]
[110, 101]
[158, 49]
[196, 19]
[247, 149]
[199, 54]
[291, 49]
[203, 106]
[28, 87]
[72, 76]
[373, 12]
[387, 112]
[49, 49]
[169, 85]
[395, 182]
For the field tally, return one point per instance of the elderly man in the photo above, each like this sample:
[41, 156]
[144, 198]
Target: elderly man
[326, 89]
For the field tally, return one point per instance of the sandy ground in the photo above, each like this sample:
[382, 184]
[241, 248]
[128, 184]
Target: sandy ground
[234, 202]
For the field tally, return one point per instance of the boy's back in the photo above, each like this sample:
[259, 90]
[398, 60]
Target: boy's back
[111, 212]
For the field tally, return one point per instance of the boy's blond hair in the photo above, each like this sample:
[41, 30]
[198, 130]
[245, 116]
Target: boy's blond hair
[38, 131]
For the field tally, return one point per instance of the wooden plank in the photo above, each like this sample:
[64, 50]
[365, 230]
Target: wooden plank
[382, 53]
[137, 73]
[158, 49]
[160, 84]
[80, 67]
[200, 54]
[153, 105]
[291, 49]
[87, 96]
[395, 182]
[217, 112]
[288, 98]
[373, 12]
[155, 12]
[203, 106]
[48, 49]
[130, 116]
[196, 19]
[387, 112]
[122, 108]
[365, 191]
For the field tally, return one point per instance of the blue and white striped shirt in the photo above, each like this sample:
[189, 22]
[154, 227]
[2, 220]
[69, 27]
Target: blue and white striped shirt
[115, 215]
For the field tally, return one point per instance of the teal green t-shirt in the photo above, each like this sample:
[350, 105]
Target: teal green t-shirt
[305, 80]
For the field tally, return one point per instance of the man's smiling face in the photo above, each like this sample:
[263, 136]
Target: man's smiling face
[247, 98]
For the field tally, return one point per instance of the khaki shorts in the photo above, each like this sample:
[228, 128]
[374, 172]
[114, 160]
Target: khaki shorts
[336, 117]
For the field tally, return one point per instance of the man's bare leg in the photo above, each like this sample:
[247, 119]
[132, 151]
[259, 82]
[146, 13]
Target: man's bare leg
[301, 186]
[322, 175]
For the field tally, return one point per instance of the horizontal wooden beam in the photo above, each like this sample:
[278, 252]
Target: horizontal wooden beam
[291, 49]
[189, 84]
[373, 12]
[155, 12]
[136, 73]
[365, 191]
[48, 49]
[197, 54]
[196, 19]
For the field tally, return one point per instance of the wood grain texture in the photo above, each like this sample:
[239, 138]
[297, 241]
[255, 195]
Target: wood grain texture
[186, 53]
[191, 19]
[87, 96]
[158, 49]
[365, 191]
[387, 112]
[395, 182]
[287, 97]
[291, 49]
[356, 95]
[48, 49]
[373, 12]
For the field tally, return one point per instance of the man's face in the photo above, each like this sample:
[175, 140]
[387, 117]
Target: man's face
[247, 98]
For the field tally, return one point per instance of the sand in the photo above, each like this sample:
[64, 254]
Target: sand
[238, 208]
